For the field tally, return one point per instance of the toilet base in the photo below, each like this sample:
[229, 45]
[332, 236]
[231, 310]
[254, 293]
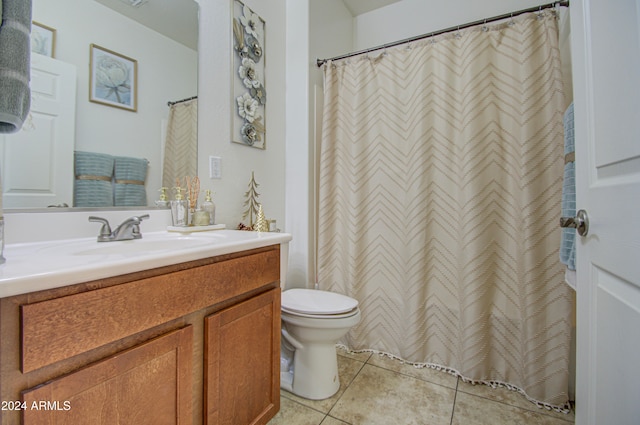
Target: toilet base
[315, 372]
[286, 381]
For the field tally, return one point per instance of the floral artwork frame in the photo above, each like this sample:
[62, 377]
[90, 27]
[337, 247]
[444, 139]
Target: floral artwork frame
[248, 93]
[113, 79]
[43, 39]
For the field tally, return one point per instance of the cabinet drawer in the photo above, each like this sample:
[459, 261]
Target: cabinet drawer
[60, 328]
[150, 383]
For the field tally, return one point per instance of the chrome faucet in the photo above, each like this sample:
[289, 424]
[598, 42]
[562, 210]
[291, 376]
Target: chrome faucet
[127, 230]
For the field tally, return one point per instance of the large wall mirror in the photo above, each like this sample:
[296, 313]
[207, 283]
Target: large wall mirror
[39, 163]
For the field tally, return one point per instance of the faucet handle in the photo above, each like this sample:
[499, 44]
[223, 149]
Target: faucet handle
[105, 230]
[135, 230]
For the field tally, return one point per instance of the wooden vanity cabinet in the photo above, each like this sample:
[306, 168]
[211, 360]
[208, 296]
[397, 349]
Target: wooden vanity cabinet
[147, 384]
[239, 384]
[192, 343]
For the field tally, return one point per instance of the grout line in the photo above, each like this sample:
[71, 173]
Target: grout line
[458, 388]
[540, 410]
[418, 378]
[455, 397]
[346, 387]
[337, 419]
[302, 404]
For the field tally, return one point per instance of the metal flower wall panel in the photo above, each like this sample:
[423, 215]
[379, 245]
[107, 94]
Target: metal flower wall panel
[249, 96]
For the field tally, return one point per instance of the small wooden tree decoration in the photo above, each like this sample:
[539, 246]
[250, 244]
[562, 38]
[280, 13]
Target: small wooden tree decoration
[261, 222]
[251, 203]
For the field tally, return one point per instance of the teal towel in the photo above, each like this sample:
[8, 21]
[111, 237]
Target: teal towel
[93, 185]
[568, 238]
[130, 177]
[15, 56]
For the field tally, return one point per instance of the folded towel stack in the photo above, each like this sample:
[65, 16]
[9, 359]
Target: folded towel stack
[93, 187]
[568, 238]
[130, 176]
[104, 180]
[15, 94]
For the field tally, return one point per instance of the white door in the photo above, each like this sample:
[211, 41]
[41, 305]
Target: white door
[606, 63]
[37, 161]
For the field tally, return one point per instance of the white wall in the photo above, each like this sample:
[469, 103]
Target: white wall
[215, 107]
[332, 28]
[305, 20]
[297, 142]
[105, 129]
[410, 18]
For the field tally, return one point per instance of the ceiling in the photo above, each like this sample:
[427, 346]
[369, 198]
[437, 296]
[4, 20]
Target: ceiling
[358, 7]
[178, 19]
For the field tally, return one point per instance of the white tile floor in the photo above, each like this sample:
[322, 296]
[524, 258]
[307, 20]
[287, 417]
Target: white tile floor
[378, 390]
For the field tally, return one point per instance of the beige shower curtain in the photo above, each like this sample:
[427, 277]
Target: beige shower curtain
[440, 188]
[181, 144]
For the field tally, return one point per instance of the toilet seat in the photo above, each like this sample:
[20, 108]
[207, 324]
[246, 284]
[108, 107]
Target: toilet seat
[317, 303]
[321, 316]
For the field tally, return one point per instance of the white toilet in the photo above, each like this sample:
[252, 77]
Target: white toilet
[312, 322]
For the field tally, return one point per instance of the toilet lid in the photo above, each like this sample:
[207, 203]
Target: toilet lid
[316, 302]
[322, 315]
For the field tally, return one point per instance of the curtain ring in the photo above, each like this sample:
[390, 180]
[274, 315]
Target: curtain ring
[511, 23]
[485, 28]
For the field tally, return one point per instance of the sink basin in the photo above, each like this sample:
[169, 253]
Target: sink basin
[44, 265]
[150, 244]
[142, 246]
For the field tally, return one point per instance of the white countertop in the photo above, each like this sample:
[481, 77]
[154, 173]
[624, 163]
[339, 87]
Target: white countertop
[37, 266]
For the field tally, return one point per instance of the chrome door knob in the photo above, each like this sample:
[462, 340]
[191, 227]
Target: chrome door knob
[580, 222]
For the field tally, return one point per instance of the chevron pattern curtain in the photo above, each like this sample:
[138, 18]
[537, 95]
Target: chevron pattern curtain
[439, 194]
[181, 144]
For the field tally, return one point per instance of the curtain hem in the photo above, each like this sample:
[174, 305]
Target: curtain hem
[565, 408]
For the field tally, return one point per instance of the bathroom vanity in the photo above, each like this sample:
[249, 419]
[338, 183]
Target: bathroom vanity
[171, 336]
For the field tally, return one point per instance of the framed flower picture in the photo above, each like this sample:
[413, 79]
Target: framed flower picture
[43, 39]
[113, 79]
[248, 93]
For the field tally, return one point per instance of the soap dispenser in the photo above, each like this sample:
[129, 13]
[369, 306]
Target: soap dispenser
[164, 200]
[180, 209]
[209, 207]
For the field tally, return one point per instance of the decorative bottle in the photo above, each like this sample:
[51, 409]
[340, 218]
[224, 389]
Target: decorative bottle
[180, 209]
[164, 200]
[209, 207]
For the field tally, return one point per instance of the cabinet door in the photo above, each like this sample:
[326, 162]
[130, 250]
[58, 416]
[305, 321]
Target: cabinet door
[148, 384]
[242, 362]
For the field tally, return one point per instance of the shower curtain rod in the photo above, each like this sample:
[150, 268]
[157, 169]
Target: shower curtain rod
[321, 62]
[182, 100]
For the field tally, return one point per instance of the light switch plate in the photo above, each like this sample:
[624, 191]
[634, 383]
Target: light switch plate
[215, 167]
